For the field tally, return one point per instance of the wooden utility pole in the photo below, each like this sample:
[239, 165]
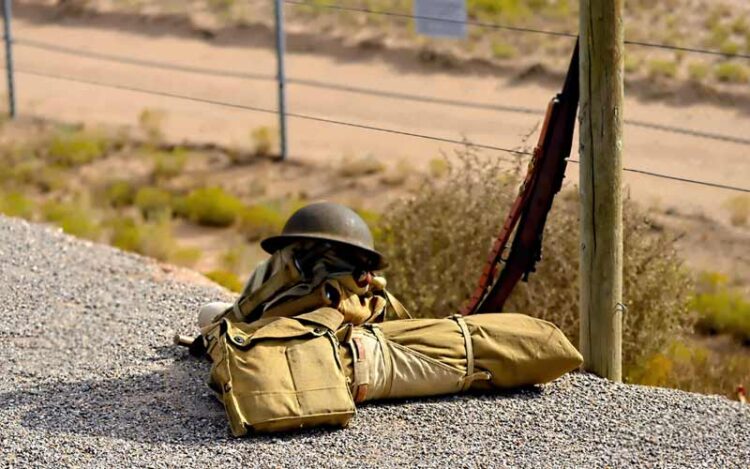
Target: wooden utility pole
[601, 118]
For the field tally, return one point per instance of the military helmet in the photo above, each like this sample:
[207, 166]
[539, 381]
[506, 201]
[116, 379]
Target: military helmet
[327, 221]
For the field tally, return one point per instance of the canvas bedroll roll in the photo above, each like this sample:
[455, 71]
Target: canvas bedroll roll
[428, 357]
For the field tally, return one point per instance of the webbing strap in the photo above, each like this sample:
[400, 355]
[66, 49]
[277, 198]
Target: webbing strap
[471, 376]
[361, 371]
[398, 308]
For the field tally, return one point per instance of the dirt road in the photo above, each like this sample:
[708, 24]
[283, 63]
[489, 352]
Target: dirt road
[648, 149]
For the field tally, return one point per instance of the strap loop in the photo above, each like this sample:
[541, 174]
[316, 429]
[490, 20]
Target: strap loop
[361, 371]
[471, 376]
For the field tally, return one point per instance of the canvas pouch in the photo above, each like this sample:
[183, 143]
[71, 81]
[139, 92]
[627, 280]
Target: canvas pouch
[280, 373]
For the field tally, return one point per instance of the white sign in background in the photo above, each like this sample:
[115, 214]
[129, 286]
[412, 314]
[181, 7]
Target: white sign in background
[452, 10]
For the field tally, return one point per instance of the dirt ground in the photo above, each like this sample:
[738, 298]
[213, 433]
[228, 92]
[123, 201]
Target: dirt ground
[697, 212]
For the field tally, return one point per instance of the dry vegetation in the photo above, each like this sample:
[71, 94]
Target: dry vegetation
[721, 25]
[433, 280]
[438, 238]
[134, 191]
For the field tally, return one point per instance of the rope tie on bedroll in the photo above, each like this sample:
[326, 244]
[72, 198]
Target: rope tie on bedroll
[471, 376]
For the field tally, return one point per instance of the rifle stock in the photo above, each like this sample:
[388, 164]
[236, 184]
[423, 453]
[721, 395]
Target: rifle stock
[528, 214]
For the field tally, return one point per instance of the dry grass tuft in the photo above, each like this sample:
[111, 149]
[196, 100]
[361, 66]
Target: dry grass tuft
[739, 209]
[438, 239]
[353, 167]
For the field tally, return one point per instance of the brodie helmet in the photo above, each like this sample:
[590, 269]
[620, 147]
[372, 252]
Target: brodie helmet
[327, 221]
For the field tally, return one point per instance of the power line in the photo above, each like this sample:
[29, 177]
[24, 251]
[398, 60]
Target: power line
[351, 89]
[481, 24]
[364, 126]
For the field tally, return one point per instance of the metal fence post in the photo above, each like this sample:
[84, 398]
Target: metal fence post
[7, 15]
[280, 76]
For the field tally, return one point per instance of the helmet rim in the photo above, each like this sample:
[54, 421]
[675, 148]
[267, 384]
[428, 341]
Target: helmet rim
[330, 222]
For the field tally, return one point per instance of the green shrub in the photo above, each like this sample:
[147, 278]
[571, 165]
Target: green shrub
[740, 25]
[397, 175]
[76, 148]
[698, 71]
[739, 209]
[153, 202]
[631, 63]
[438, 238]
[731, 72]
[730, 47]
[15, 204]
[263, 139]
[151, 122]
[352, 167]
[186, 256]
[156, 240]
[210, 206]
[126, 234]
[503, 50]
[35, 172]
[168, 165]
[690, 366]
[721, 310]
[237, 259]
[153, 239]
[226, 279]
[373, 221]
[439, 167]
[73, 218]
[120, 193]
[260, 221]
[509, 10]
[659, 68]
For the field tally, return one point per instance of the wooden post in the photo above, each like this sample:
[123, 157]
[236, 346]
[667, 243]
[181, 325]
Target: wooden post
[601, 118]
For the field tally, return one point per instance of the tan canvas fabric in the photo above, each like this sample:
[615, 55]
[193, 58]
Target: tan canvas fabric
[281, 374]
[425, 357]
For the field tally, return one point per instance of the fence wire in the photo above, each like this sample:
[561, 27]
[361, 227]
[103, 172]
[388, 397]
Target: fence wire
[223, 73]
[364, 127]
[486, 25]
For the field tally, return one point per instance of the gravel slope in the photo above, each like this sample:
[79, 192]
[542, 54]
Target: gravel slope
[90, 380]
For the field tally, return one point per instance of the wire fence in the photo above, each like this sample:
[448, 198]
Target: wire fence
[486, 25]
[223, 73]
[55, 48]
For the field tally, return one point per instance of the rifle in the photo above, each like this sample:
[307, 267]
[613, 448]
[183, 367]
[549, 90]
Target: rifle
[528, 213]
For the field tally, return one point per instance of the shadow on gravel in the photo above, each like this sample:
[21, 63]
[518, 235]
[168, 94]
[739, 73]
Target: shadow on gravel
[172, 405]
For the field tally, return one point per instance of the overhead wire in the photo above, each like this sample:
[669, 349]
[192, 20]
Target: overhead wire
[487, 25]
[362, 126]
[349, 88]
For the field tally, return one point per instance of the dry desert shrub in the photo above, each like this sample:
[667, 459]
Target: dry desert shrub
[438, 238]
[437, 241]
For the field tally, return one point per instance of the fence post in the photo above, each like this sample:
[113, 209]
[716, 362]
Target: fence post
[280, 76]
[7, 16]
[601, 117]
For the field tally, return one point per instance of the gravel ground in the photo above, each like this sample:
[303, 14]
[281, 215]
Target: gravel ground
[90, 379]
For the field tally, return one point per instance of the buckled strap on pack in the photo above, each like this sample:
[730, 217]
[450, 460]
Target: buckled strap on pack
[398, 308]
[471, 376]
[361, 371]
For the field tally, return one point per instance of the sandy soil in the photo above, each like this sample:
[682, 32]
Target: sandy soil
[648, 149]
